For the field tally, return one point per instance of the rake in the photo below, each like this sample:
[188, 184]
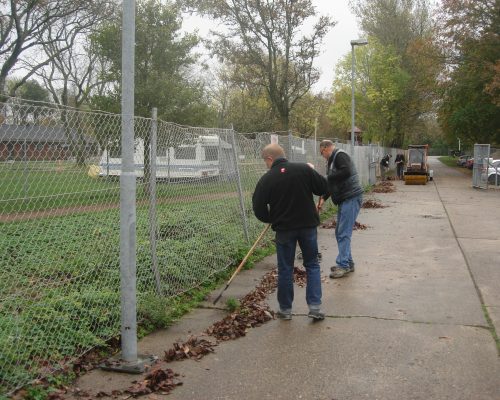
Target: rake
[242, 263]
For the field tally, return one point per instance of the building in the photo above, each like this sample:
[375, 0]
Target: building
[38, 143]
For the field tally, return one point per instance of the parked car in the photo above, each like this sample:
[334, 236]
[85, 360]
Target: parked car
[494, 172]
[462, 160]
[469, 163]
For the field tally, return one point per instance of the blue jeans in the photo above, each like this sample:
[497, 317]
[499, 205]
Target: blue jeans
[286, 242]
[347, 213]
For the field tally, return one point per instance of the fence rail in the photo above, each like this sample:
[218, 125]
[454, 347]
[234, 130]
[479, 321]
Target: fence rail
[60, 222]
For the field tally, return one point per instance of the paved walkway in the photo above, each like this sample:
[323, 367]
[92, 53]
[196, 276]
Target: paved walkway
[413, 322]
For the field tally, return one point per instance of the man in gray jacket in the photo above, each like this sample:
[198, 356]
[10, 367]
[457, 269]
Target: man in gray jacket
[347, 195]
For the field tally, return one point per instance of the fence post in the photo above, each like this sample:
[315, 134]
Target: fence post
[152, 199]
[25, 172]
[240, 189]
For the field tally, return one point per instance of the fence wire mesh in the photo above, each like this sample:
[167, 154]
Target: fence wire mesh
[480, 166]
[60, 223]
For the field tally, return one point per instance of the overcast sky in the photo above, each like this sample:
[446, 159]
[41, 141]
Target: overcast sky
[335, 45]
[338, 41]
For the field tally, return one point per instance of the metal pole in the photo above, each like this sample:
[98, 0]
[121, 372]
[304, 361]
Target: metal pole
[352, 98]
[152, 200]
[107, 160]
[290, 146]
[25, 180]
[315, 136]
[240, 189]
[128, 192]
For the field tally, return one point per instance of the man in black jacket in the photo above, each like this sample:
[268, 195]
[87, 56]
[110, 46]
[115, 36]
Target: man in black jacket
[284, 197]
[347, 195]
[384, 166]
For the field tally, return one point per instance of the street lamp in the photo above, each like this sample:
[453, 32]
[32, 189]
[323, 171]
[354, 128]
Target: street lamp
[357, 42]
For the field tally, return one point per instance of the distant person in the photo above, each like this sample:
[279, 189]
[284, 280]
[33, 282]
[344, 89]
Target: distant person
[399, 161]
[384, 166]
[284, 197]
[347, 194]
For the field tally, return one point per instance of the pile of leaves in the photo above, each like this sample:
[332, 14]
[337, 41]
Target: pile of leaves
[158, 380]
[299, 276]
[370, 203]
[332, 224]
[359, 226]
[384, 187]
[252, 312]
[194, 348]
[329, 224]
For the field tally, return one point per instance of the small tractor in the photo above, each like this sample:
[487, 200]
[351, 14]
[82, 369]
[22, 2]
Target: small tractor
[416, 171]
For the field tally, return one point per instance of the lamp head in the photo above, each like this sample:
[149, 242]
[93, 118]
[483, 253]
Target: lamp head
[359, 42]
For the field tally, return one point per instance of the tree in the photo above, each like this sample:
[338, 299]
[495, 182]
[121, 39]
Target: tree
[310, 115]
[163, 59]
[25, 27]
[239, 104]
[74, 69]
[470, 32]
[395, 23]
[266, 38]
[380, 84]
[403, 31]
[31, 93]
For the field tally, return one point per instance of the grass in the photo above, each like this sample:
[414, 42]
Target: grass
[452, 162]
[160, 312]
[449, 161]
[38, 186]
[60, 275]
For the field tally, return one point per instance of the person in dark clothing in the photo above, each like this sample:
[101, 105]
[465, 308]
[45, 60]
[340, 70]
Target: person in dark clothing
[347, 194]
[284, 197]
[384, 166]
[399, 161]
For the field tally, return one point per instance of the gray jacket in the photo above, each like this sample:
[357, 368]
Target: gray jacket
[342, 177]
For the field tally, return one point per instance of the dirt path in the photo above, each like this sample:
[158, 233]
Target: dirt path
[57, 212]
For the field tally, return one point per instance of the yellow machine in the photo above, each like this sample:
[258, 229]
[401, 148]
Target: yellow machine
[416, 171]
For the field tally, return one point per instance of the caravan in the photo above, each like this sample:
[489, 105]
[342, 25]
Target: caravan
[201, 157]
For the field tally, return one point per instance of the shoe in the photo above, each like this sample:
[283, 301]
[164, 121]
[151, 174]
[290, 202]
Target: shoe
[351, 266]
[300, 257]
[339, 272]
[284, 315]
[316, 315]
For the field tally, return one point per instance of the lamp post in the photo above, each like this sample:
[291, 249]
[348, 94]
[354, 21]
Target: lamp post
[357, 42]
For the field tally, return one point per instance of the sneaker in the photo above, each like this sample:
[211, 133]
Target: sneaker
[284, 315]
[316, 315]
[339, 272]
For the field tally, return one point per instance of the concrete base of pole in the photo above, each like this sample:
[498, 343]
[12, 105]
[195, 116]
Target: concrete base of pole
[116, 364]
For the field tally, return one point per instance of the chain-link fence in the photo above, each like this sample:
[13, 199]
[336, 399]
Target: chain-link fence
[60, 222]
[493, 172]
[480, 166]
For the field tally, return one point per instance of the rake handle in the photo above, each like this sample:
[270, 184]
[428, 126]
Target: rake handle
[242, 263]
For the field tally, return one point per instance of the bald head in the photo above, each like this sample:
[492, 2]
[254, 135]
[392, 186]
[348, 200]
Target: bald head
[273, 151]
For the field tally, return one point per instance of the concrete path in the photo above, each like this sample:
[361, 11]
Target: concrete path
[415, 321]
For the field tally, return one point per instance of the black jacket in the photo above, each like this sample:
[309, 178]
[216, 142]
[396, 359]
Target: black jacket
[384, 162]
[342, 177]
[284, 196]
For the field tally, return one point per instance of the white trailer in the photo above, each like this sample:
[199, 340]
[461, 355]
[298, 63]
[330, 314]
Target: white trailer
[201, 157]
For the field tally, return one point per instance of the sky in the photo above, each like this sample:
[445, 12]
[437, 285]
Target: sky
[337, 42]
[335, 45]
